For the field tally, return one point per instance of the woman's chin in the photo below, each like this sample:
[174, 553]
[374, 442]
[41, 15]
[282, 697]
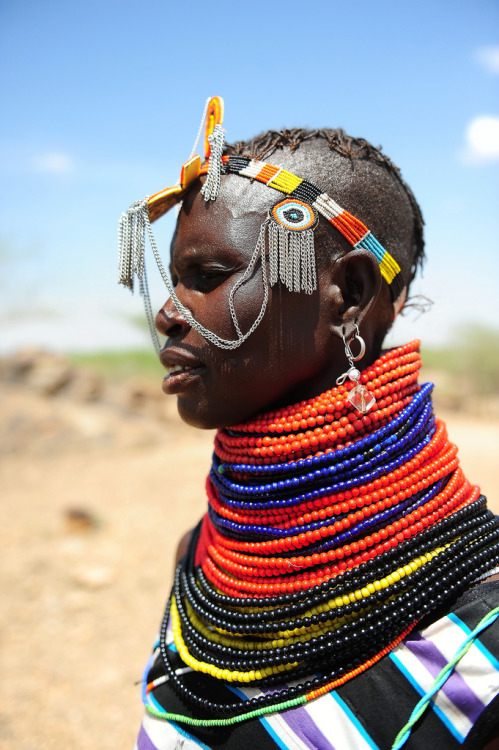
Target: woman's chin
[207, 415]
[196, 416]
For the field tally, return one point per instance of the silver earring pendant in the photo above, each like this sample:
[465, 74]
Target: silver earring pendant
[359, 396]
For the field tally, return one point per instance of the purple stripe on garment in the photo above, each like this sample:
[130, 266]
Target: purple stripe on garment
[299, 720]
[456, 688]
[144, 742]
[305, 728]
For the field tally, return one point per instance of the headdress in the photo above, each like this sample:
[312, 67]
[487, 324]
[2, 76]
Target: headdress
[286, 232]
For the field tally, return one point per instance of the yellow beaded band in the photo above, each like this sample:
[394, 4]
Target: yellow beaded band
[286, 637]
[220, 674]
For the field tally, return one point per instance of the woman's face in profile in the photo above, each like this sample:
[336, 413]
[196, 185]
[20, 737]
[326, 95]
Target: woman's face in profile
[286, 359]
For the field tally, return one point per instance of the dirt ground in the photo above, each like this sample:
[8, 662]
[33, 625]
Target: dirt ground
[94, 497]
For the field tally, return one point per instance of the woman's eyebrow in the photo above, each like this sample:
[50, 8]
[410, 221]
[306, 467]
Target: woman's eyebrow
[220, 254]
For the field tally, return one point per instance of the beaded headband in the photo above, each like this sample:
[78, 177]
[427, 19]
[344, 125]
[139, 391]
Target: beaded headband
[287, 231]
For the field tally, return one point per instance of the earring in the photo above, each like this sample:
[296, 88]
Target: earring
[359, 396]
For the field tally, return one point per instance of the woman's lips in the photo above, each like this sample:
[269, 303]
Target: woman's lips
[178, 368]
[179, 377]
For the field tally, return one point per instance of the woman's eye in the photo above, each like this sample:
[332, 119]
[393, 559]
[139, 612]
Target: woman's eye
[202, 278]
[209, 278]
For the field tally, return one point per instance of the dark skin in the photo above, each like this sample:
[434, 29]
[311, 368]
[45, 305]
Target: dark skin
[297, 351]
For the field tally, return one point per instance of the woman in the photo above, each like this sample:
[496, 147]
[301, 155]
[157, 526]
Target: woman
[344, 560]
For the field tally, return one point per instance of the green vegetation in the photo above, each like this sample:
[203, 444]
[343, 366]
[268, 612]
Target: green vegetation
[468, 366]
[470, 362]
[120, 365]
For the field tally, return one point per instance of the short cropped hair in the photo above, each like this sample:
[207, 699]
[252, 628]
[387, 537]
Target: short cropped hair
[357, 151]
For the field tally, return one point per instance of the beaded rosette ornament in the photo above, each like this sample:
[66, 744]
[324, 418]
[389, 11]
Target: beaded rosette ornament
[329, 536]
[286, 237]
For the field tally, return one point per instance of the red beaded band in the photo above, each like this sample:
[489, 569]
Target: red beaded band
[213, 564]
[322, 508]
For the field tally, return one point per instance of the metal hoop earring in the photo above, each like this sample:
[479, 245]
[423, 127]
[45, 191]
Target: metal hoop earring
[359, 396]
[348, 350]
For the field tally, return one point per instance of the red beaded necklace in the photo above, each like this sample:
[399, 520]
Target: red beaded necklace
[328, 537]
[328, 421]
[249, 568]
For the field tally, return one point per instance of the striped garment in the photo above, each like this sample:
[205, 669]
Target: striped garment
[368, 711]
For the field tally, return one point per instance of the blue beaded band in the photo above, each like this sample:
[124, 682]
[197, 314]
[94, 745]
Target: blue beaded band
[419, 430]
[369, 440]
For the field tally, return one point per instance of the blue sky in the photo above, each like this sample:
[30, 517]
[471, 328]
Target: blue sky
[101, 103]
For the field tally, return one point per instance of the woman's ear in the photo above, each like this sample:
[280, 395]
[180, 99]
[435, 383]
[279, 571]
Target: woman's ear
[356, 283]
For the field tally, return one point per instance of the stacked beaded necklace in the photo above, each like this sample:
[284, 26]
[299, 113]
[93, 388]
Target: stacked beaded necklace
[328, 537]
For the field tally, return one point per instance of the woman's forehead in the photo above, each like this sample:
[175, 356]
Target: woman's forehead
[237, 199]
[361, 187]
[231, 223]
[364, 189]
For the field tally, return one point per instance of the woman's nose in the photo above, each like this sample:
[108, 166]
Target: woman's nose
[169, 321]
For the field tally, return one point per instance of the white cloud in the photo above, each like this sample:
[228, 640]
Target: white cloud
[482, 140]
[488, 57]
[56, 163]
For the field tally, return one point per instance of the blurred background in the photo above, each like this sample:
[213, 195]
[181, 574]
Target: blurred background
[101, 102]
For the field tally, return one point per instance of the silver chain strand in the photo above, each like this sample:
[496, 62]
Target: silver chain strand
[291, 260]
[201, 126]
[186, 313]
[151, 323]
[131, 237]
[131, 243]
[178, 206]
[210, 189]
[273, 253]
[259, 250]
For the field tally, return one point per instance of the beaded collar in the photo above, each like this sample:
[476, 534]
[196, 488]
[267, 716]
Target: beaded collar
[328, 538]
